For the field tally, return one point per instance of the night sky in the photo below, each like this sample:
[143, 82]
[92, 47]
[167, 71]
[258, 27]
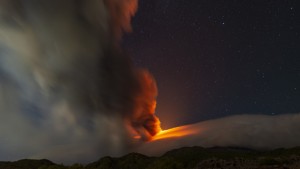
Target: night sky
[218, 58]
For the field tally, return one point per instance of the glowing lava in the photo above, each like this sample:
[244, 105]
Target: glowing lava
[174, 132]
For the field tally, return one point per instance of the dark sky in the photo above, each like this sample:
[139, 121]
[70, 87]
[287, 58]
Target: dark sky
[218, 58]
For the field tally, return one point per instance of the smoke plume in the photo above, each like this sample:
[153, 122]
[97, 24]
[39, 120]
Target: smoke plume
[67, 91]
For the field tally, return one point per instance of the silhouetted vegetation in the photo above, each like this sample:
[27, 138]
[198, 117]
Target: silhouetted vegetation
[183, 158]
[25, 164]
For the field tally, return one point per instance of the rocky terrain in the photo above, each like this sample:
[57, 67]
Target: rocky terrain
[183, 158]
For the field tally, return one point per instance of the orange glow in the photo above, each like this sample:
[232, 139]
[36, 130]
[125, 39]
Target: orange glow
[174, 132]
[143, 118]
[137, 137]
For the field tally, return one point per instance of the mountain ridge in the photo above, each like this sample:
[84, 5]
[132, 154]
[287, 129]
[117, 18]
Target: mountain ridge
[182, 158]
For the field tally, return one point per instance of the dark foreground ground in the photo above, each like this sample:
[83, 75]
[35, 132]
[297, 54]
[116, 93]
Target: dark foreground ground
[183, 158]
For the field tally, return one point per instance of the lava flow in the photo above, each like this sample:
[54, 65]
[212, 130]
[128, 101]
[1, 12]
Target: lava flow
[174, 132]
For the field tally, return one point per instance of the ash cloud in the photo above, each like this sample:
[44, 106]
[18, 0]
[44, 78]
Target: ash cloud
[67, 91]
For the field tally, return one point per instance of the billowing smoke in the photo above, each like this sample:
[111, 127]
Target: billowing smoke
[246, 131]
[143, 119]
[67, 91]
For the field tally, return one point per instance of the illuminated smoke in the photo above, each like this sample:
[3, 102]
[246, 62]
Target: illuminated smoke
[67, 91]
[143, 118]
[120, 15]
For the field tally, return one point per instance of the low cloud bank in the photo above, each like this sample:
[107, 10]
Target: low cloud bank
[247, 131]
